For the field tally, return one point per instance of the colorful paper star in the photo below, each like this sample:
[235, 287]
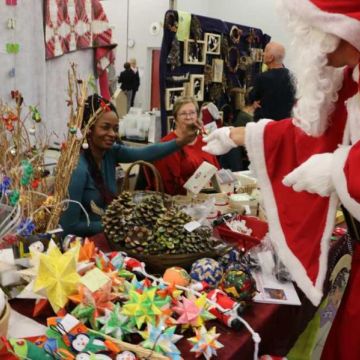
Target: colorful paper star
[86, 314]
[87, 250]
[169, 290]
[115, 324]
[192, 312]
[146, 306]
[162, 340]
[57, 277]
[99, 300]
[205, 342]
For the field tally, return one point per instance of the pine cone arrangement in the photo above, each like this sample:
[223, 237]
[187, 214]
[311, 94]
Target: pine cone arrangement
[170, 236]
[147, 227]
[117, 220]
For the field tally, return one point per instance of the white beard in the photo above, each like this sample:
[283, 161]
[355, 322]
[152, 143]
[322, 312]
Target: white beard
[317, 83]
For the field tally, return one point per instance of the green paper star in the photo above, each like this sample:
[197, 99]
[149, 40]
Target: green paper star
[85, 313]
[116, 324]
[145, 306]
[162, 340]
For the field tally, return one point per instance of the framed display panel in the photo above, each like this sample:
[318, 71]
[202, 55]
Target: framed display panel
[197, 86]
[257, 54]
[171, 95]
[217, 70]
[213, 43]
[194, 52]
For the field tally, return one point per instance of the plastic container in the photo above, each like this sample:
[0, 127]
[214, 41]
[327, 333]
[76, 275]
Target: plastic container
[259, 229]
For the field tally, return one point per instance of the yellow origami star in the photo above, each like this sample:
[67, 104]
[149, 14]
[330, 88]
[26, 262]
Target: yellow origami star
[57, 276]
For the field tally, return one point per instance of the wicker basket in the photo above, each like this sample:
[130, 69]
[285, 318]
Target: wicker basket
[157, 264]
[138, 195]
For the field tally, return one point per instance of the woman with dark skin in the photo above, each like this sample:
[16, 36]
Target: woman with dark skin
[93, 182]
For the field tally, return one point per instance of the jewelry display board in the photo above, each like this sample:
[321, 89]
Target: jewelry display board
[217, 63]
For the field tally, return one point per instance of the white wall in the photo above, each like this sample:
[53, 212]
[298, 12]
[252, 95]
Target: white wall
[132, 20]
[261, 14]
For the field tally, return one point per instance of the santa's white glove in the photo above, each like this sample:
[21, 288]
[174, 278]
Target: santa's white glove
[313, 176]
[219, 142]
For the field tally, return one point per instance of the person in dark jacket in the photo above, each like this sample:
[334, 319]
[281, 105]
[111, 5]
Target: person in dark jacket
[128, 81]
[274, 89]
[135, 70]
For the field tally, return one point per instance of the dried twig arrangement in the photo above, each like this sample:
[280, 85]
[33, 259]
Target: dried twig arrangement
[21, 165]
[70, 151]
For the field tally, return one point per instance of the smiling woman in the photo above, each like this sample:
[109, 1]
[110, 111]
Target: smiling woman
[93, 182]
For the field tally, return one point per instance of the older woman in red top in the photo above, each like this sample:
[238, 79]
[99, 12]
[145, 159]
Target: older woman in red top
[178, 167]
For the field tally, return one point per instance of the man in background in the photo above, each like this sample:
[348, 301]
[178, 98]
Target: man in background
[127, 79]
[274, 89]
[135, 70]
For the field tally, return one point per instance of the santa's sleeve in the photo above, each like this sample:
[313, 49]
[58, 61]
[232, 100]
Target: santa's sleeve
[300, 223]
[345, 176]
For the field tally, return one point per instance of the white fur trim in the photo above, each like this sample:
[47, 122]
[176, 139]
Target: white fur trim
[254, 142]
[345, 27]
[339, 180]
[353, 118]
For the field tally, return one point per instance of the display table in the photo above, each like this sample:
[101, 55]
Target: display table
[279, 326]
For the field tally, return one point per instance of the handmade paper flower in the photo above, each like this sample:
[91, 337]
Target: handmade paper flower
[146, 306]
[205, 342]
[162, 340]
[57, 277]
[193, 312]
[115, 324]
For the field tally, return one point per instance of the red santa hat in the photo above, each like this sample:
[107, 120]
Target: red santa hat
[337, 17]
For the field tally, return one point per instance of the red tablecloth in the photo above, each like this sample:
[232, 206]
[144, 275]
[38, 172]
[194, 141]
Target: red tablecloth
[278, 325]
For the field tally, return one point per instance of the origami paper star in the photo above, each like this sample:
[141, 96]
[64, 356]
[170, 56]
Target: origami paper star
[205, 342]
[100, 300]
[192, 312]
[169, 290]
[57, 277]
[115, 324]
[87, 250]
[145, 307]
[86, 314]
[162, 340]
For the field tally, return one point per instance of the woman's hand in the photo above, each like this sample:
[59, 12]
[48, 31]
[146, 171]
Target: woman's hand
[189, 134]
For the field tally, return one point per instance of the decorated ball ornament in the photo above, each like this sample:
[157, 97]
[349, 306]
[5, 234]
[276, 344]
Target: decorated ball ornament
[239, 284]
[208, 270]
[176, 276]
[230, 258]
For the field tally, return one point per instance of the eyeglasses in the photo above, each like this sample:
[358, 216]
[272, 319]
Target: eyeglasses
[187, 114]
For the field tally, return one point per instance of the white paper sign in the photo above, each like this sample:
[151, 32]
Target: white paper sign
[192, 225]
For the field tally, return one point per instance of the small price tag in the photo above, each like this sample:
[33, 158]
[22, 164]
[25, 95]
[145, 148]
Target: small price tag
[191, 226]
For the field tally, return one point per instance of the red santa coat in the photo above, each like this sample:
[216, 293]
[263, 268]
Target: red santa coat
[301, 223]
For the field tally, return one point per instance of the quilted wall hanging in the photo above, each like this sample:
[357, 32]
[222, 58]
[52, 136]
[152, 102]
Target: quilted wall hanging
[72, 25]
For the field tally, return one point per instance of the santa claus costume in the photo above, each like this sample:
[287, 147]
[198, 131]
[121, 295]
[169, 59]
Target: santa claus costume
[306, 164]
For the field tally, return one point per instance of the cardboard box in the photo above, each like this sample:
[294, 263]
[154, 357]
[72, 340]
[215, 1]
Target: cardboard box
[200, 178]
